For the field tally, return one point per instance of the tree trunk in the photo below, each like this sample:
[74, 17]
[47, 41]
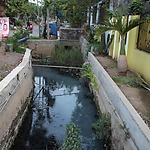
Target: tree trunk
[122, 60]
[122, 64]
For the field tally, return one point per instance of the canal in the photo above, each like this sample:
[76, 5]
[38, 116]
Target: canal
[59, 99]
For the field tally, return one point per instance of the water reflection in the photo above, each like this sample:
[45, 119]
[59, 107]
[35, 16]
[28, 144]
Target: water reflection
[58, 100]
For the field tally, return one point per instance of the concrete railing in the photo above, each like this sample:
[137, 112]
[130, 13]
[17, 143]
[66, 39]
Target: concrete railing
[15, 89]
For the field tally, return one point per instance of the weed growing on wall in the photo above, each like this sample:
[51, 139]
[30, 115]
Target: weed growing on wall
[72, 140]
[102, 129]
[87, 73]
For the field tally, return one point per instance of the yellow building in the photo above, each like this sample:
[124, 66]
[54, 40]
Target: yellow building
[137, 49]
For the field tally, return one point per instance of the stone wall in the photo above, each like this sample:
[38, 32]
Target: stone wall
[129, 132]
[70, 33]
[15, 89]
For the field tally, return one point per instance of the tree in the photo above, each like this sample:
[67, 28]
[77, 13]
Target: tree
[19, 8]
[76, 11]
[118, 23]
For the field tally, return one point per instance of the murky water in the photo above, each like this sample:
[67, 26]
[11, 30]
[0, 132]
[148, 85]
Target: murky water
[58, 100]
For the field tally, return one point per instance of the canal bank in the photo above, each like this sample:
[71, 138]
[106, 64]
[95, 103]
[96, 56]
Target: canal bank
[15, 92]
[129, 130]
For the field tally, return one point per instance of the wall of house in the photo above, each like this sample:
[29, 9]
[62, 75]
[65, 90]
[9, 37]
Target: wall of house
[138, 61]
[127, 125]
[15, 89]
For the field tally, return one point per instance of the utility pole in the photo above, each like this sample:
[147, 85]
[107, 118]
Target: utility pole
[48, 30]
[38, 17]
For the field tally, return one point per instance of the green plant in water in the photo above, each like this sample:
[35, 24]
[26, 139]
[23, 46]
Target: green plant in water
[72, 140]
[102, 130]
[87, 73]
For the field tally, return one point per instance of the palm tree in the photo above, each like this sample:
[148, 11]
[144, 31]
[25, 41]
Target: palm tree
[118, 23]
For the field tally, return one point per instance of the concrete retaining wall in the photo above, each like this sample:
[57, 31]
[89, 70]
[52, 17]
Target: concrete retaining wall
[70, 33]
[128, 129]
[45, 47]
[15, 89]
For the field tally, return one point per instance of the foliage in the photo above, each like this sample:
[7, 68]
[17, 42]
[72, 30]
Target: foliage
[87, 73]
[18, 34]
[102, 130]
[91, 33]
[67, 57]
[131, 81]
[72, 140]
[19, 22]
[95, 48]
[143, 83]
[16, 8]
[117, 22]
[136, 7]
[75, 11]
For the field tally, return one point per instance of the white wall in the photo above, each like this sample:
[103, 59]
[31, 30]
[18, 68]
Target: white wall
[15, 88]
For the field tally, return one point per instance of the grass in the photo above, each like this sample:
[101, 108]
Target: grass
[131, 81]
[35, 38]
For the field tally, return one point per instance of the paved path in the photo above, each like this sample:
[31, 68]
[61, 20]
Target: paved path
[35, 31]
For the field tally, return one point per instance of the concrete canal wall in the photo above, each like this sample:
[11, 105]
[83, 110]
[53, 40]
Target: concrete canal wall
[15, 89]
[129, 131]
[45, 47]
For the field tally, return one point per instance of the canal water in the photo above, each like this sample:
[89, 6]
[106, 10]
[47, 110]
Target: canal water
[59, 99]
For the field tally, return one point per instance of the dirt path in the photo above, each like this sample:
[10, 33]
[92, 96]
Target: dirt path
[138, 97]
[8, 62]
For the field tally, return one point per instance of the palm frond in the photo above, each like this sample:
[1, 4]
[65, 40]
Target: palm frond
[132, 24]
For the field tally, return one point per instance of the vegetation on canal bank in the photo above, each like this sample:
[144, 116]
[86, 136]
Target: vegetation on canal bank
[102, 129]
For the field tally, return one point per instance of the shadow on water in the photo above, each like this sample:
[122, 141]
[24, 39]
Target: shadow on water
[58, 100]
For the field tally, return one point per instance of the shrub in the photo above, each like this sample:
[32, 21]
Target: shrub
[67, 57]
[102, 130]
